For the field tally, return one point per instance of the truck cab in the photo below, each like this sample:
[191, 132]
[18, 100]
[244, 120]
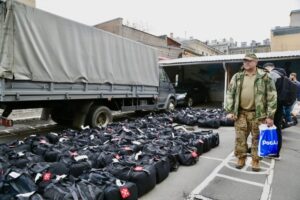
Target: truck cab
[166, 93]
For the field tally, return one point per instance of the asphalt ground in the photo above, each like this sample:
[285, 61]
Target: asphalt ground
[214, 177]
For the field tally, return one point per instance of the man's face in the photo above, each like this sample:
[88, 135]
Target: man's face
[249, 64]
[292, 77]
[268, 68]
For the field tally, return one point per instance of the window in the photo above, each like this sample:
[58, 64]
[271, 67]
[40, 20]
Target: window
[162, 75]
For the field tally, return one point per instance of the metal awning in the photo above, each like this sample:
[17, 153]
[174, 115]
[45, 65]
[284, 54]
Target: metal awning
[279, 55]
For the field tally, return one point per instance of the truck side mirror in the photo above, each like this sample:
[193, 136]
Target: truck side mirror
[176, 80]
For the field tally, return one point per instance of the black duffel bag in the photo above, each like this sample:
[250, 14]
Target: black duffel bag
[29, 196]
[143, 176]
[19, 182]
[125, 190]
[89, 191]
[207, 141]
[161, 164]
[61, 191]
[208, 122]
[213, 137]
[104, 159]
[114, 189]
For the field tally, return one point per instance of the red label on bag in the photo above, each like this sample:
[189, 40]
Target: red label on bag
[47, 176]
[73, 154]
[194, 154]
[117, 156]
[109, 130]
[127, 148]
[43, 141]
[125, 193]
[138, 168]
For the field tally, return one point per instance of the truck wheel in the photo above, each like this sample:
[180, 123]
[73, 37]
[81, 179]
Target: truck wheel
[171, 105]
[99, 116]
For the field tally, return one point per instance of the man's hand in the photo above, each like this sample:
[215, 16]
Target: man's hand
[231, 116]
[269, 122]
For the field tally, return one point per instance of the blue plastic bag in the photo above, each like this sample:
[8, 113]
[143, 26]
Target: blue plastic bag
[268, 141]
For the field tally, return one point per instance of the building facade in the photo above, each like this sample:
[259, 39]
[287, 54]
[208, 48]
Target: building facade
[223, 45]
[295, 18]
[287, 38]
[231, 47]
[254, 47]
[28, 2]
[198, 47]
[166, 46]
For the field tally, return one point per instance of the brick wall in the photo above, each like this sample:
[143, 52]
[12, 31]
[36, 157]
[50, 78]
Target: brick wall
[28, 2]
[288, 42]
[116, 26]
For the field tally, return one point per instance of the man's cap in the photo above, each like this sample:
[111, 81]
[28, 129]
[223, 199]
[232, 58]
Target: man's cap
[269, 64]
[250, 56]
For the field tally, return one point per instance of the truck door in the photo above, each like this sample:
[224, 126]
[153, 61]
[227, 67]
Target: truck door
[166, 91]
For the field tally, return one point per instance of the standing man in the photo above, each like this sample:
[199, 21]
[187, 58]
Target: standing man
[276, 74]
[293, 77]
[250, 101]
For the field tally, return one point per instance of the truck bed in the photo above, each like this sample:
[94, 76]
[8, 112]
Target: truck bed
[20, 91]
[38, 46]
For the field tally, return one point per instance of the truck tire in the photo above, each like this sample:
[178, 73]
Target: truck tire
[171, 105]
[99, 116]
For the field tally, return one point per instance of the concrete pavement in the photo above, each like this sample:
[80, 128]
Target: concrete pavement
[277, 180]
[286, 182]
[215, 177]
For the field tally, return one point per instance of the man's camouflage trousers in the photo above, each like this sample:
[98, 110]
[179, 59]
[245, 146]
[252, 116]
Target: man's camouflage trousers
[244, 125]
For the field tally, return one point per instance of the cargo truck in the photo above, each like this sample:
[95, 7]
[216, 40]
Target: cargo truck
[77, 73]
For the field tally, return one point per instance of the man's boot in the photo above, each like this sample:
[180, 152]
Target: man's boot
[255, 165]
[240, 163]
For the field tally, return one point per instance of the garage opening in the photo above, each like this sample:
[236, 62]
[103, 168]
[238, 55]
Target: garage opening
[201, 84]
[204, 80]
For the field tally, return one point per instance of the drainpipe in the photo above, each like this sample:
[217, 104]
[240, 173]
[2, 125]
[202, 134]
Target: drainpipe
[225, 84]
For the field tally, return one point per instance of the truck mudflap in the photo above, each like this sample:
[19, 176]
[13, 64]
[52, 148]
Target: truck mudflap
[6, 122]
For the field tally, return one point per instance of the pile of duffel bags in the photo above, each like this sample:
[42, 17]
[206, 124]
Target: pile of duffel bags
[124, 160]
[202, 117]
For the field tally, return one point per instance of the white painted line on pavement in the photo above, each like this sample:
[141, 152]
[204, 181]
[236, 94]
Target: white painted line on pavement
[240, 180]
[266, 194]
[266, 163]
[199, 197]
[208, 179]
[212, 158]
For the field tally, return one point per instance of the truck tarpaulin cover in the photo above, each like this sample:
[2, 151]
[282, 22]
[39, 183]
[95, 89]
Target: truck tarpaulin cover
[39, 46]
